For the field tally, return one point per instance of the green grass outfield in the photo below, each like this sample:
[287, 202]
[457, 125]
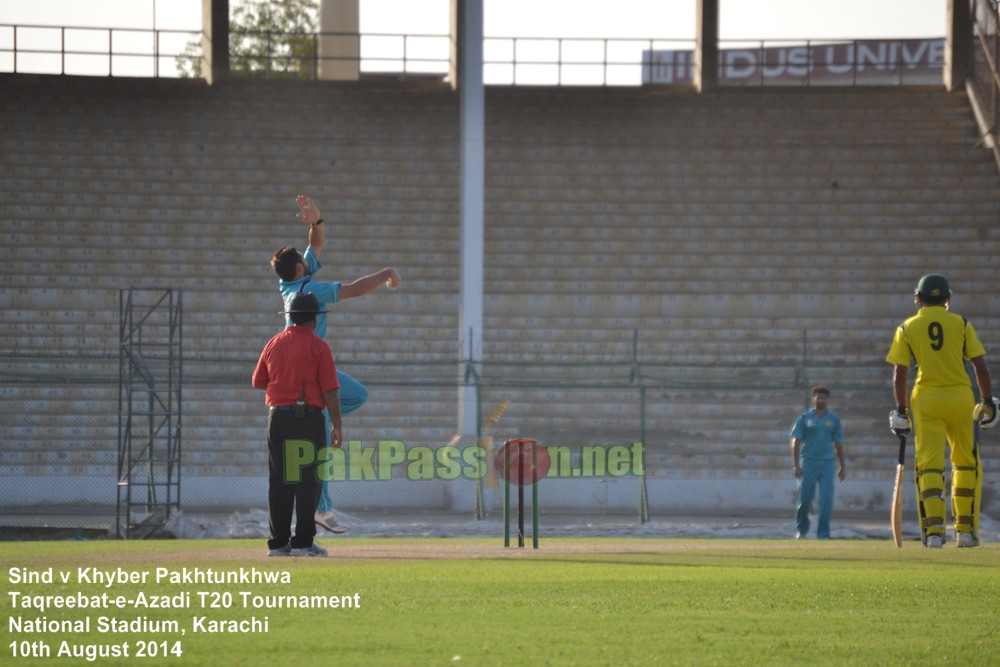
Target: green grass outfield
[471, 602]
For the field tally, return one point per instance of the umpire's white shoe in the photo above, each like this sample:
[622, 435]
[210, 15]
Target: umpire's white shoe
[933, 542]
[966, 540]
[330, 521]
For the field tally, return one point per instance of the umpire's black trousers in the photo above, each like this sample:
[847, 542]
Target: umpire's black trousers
[284, 497]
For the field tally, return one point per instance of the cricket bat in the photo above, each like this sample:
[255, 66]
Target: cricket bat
[486, 442]
[490, 481]
[897, 496]
[496, 415]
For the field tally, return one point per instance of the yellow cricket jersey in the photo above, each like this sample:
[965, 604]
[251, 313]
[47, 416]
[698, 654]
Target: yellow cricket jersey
[940, 342]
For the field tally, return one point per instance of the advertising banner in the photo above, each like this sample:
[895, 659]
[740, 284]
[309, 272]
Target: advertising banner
[862, 61]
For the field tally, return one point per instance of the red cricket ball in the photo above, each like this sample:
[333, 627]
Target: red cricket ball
[523, 461]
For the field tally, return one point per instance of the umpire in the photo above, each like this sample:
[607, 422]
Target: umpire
[297, 373]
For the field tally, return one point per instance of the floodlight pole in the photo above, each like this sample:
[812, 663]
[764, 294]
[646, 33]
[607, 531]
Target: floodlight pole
[467, 77]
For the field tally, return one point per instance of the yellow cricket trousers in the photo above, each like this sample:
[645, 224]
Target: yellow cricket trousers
[940, 415]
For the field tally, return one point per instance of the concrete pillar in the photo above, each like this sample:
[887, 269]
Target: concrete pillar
[339, 41]
[957, 44]
[706, 49]
[467, 68]
[215, 40]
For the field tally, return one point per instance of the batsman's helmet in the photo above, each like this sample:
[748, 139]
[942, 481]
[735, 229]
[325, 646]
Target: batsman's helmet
[933, 286]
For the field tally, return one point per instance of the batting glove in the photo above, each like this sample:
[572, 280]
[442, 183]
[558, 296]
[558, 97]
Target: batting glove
[986, 412]
[899, 421]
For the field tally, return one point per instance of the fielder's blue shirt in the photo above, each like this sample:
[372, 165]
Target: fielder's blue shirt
[817, 434]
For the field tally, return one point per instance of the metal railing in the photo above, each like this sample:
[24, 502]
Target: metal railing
[694, 420]
[517, 61]
[85, 51]
[506, 60]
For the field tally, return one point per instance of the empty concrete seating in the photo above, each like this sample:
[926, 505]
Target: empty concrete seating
[711, 255]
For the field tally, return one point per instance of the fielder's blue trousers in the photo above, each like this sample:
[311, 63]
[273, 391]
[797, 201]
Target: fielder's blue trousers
[816, 473]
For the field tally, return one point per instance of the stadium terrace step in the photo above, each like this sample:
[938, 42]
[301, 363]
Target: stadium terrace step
[750, 236]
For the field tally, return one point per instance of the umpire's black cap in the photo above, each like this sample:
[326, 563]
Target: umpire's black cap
[305, 304]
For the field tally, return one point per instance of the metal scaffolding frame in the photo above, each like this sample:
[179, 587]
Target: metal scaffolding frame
[149, 409]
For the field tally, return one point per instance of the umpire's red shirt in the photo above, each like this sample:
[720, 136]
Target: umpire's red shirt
[294, 355]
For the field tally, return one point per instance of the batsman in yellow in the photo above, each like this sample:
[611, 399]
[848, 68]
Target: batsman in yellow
[942, 408]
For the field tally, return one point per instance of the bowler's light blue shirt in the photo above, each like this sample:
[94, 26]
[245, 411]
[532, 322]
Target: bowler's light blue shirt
[324, 292]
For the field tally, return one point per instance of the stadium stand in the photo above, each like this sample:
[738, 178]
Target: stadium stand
[721, 251]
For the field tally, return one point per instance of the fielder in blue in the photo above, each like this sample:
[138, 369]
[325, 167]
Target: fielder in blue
[817, 456]
[297, 274]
